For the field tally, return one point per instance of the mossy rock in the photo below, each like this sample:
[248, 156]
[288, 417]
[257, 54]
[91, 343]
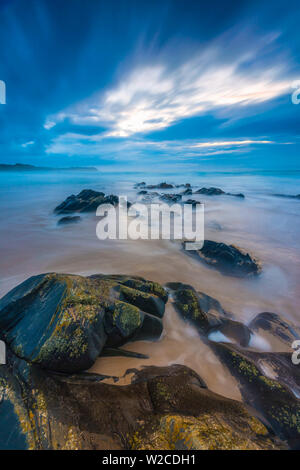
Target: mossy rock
[62, 322]
[207, 314]
[271, 397]
[40, 409]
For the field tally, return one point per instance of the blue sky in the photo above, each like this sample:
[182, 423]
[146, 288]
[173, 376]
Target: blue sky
[132, 84]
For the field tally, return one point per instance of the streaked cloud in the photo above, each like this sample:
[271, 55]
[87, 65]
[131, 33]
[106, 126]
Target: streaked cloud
[154, 96]
[131, 149]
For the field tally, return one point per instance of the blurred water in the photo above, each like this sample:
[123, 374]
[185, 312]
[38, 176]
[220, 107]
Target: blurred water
[265, 225]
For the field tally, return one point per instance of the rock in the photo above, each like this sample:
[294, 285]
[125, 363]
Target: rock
[86, 201]
[62, 322]
[217, 192]
[69, 219]
[241, 195]
[171, 198]
[142, 192]
[228, 259]
[187, 192]
[273, 400]
[210, 191]
[282, 329]
[164, 408]
[289, 196]
[192, 201]
[278, 366]
[160, 186]
[140, 185]
[118, 352]
[207, 314]
[186, 185]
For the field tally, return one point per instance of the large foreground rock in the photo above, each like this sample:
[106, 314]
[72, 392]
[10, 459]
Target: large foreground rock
[163, 408]
[228, 259]
[62, 322]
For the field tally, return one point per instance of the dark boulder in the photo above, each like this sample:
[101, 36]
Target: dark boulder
[217, 192]
[62, 322]
[140, 185]
[171, 198]
[210, 191]
[160, 186]
[86, 201]
[228, 259]
[68, 219]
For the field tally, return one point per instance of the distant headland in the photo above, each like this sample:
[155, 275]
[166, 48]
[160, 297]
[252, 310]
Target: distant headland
[27, 167]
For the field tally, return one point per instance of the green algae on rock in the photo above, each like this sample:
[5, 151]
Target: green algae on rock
[62, 322]
[163, 408]
[207, 314]
[272, 398]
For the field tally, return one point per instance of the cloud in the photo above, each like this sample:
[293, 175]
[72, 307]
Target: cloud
[231, 143]
[27, 144]
[151, 97]
[132, 148]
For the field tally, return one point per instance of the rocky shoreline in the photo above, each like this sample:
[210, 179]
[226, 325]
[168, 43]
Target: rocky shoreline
[55, 326]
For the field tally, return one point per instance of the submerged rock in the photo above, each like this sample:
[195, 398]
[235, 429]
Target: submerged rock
[281, 328]
[86, 201]
[164, 408]
[62, 322]
[207, 314]
[69, 220]
[289, 196]
[228, 259]
[241, 195]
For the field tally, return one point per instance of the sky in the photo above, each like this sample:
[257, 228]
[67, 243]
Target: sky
[143, 84]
